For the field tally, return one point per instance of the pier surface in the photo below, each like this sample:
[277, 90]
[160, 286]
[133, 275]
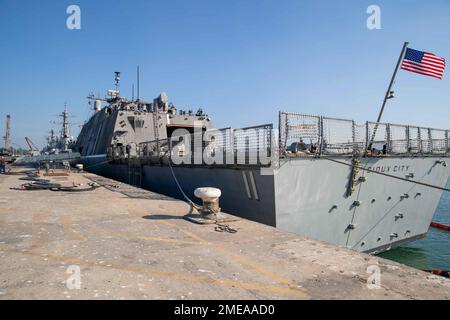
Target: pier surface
[128, 243]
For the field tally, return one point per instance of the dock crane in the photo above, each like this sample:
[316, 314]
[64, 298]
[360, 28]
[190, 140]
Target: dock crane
[6, 137]
[34, 151]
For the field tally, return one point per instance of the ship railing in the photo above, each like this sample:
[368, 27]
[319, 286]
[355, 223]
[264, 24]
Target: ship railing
[319, 135]
[116, 152]
[250, 146]
[154, 151]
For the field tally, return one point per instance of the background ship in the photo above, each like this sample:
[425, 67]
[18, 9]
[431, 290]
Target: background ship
[368, 187]
[58, 148]
[64, 141]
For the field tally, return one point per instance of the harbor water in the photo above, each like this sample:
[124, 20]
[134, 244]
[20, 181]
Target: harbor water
[431, 252]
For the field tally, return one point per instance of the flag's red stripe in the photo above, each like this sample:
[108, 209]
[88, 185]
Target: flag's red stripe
[422, 70]
[429, 75]
[433, 56]
[424, 73]
[437, 62]
[423, 66]
[426, 64]
[430, 63]
[432, 68]
[433, 64]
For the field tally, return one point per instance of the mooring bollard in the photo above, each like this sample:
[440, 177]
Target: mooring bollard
[210, 198]
[210, 210]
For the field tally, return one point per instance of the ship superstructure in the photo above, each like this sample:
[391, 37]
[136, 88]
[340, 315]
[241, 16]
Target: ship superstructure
[123, 124]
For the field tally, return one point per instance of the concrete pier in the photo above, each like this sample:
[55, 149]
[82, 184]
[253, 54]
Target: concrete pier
[128, 243]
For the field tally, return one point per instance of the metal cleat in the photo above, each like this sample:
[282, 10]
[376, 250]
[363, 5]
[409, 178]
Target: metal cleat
[209, 212]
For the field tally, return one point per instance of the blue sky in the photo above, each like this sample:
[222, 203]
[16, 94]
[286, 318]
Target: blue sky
[242, 61]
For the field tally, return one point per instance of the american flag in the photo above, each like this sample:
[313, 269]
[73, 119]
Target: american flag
[425, 63]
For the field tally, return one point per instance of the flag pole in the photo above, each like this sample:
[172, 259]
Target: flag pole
[388, 93]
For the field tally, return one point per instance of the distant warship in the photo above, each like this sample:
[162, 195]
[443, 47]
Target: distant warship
[368, 187]
[58, 147]
[62, 142]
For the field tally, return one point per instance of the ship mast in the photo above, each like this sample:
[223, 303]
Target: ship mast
[65, 131]
[389, 94]
[65, 128]
[117, 82]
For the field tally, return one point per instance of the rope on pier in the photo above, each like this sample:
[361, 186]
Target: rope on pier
[388, 175]
[192, 203]
[220, 227]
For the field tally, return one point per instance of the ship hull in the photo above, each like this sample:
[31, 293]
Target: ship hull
[381, 213]
[245, 192]
[309, 196]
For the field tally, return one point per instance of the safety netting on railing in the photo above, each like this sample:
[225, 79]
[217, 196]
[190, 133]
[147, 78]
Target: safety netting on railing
[246, 146]
[301, 134]
[218, 141]
[338, 136]
[296, 131]
[377, 137]
[398, 142]
[252, 138]
[414, 145]
[425, 143]
[438, 141]
[360, 137]
[153, 149]
[447, 136]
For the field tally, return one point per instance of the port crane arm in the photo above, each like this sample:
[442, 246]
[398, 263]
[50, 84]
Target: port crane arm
[31, 145]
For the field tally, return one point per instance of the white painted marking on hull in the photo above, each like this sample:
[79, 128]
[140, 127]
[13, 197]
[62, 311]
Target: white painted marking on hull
[252, 181]
[247, 188]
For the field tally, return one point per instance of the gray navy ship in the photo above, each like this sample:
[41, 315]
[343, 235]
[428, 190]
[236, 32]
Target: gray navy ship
[58, 148]
[367, 187]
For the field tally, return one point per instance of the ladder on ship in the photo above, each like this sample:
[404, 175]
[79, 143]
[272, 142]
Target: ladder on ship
[135, 172]
[155, 126]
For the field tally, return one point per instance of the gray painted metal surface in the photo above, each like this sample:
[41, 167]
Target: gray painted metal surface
[311, 200]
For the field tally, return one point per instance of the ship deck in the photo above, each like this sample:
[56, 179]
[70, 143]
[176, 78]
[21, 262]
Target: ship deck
[130, 243]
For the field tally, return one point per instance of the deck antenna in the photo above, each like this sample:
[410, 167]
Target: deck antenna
[117, 81]
[132, 92]
[137, 89]
[389, 94]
